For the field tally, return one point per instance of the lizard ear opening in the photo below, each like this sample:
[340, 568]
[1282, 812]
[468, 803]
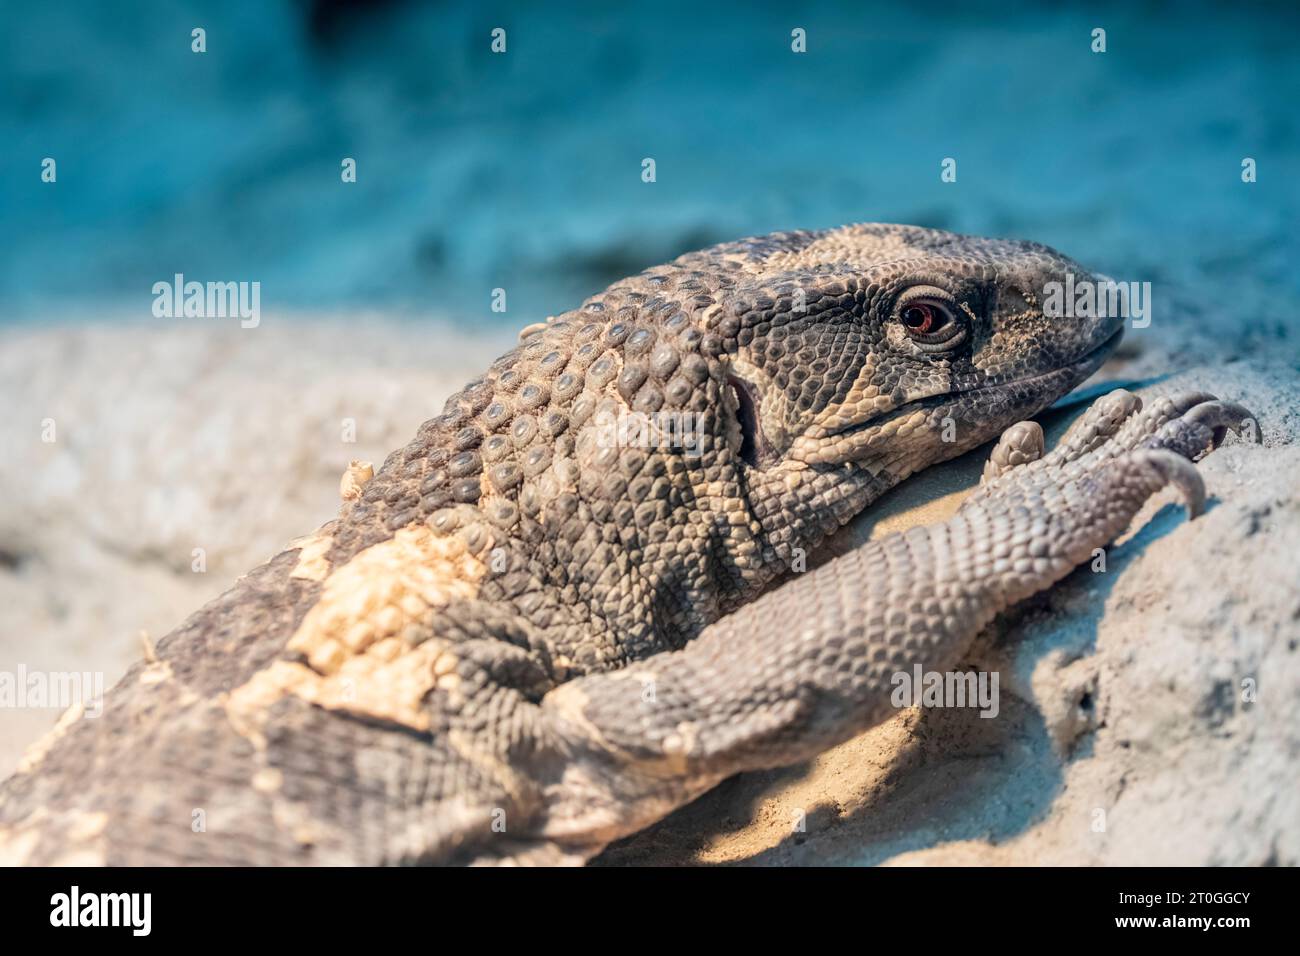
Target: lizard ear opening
[755, 450]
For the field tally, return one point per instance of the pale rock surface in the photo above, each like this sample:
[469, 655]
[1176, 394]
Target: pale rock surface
[197, 435]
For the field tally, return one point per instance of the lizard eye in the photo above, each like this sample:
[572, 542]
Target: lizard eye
[922, 318]
[929, 317]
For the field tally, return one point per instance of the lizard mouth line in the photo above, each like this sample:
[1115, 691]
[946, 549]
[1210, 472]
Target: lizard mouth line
[1079, 369]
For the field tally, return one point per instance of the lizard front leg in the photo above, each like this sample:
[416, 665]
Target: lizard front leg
[813, 663]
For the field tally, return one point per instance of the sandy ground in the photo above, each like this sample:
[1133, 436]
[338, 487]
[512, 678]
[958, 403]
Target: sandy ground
[191, 437]
[1150, 714]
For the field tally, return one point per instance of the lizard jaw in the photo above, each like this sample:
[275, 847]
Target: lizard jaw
[987, 404]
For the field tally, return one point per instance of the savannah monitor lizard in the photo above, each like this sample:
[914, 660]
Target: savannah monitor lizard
[534, 630]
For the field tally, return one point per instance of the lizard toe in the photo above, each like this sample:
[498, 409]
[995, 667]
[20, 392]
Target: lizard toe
[1158, 412]
[1221, 417]
[1019, 445]
[1202, 428]
[1179, 472]
[1102, 421]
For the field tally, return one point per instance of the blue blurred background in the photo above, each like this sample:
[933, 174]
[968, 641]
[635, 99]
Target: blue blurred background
[523, 170]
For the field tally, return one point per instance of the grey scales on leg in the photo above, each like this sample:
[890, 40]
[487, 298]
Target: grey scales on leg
[812, 663]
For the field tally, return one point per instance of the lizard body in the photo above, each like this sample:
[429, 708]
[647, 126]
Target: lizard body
[527, 635]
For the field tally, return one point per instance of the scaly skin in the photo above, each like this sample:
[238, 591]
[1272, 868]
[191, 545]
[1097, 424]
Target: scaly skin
[525, 637]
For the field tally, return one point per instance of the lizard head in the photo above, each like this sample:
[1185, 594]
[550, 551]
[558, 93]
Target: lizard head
[888, 348]
[687, 428]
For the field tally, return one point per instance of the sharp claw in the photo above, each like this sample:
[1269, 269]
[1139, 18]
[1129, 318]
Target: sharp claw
[1181, 473]
[1218, 416]
[1187, 401]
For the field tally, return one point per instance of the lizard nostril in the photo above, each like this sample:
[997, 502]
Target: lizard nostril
[1013, 301]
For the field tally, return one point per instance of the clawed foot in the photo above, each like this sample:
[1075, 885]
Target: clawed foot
[1116, 439]
[1190, 423]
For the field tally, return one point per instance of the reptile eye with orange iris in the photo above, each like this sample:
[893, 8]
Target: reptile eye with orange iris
[922, 318]
[930, 318]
